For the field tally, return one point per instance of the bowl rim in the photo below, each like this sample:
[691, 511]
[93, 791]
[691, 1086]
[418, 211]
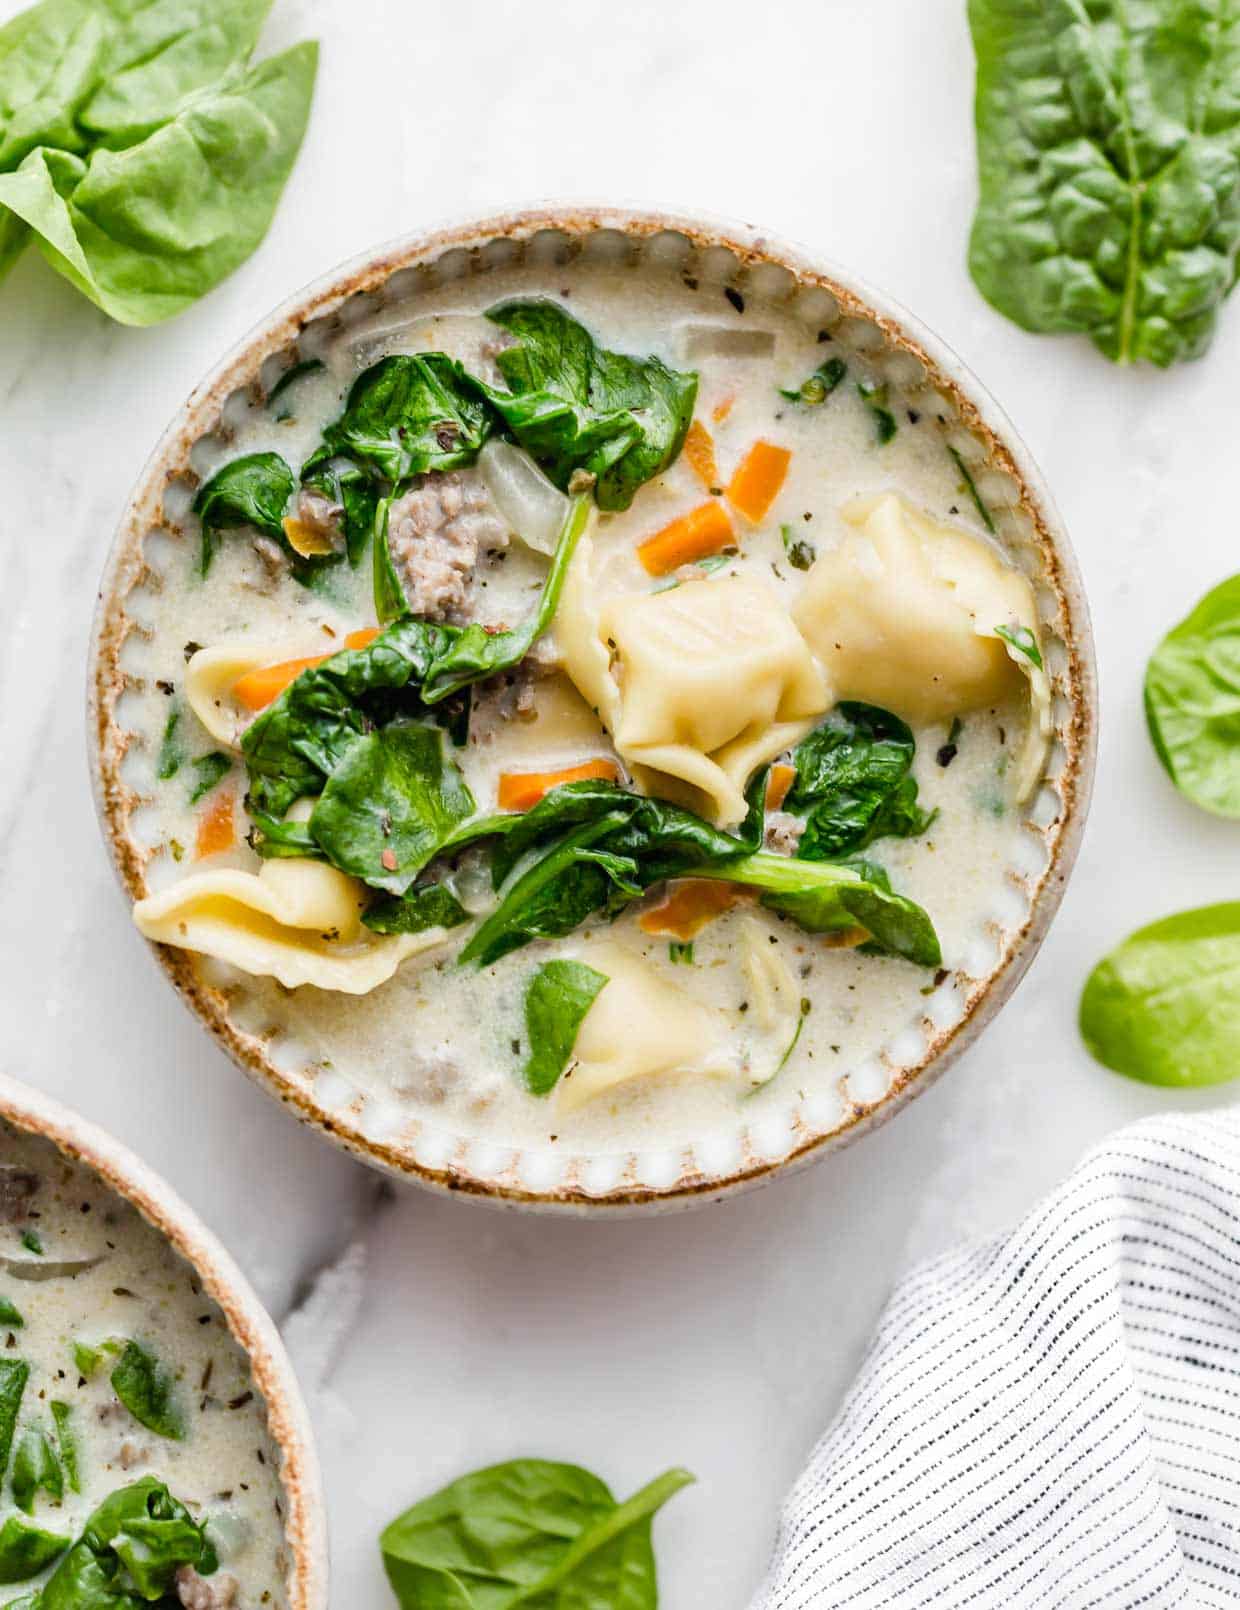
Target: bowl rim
[979, 412]
[251, 1327]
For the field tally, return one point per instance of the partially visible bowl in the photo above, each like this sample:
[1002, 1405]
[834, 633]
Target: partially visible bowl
[717, 254]
[288, 1424]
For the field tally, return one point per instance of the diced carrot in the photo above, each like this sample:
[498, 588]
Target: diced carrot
[256, 689]
[778, 783]
[521, 790]
[757, 480]
[700, 452]
[722, 409]
[688, 906]
[704, 530]
[216, 830]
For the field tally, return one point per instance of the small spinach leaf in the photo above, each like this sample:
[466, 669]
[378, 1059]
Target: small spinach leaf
[970, 486]
[817, 387]
[1164, 1007]
[573, 405]
[209, 770]
[853, 784]
[9, 1315]
[26, 1550]
[250, 491]
[428, 905]
[875, 399]
[557, 998]
[66, 1439]
[35, 1468]
[290, 377]
[147, 1390]
[14, 1373]
[171, 755]
[1192, 701]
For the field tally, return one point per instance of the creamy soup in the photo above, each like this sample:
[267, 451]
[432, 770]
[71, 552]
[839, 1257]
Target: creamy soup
[122, 1396]
[682, 718]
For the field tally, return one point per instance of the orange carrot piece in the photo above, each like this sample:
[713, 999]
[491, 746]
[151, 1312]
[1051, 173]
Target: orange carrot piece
[704, 530]
[722, 409]
[256, 689]
[757, 480]
[216, 829]
[521, 790]
[778, 783]
[700, 452]
[688, 906]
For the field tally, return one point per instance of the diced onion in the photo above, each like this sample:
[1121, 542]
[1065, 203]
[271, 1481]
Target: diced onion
[524, 496]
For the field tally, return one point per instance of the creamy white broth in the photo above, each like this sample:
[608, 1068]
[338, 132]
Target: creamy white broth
[438, 1040]
[224, 1470]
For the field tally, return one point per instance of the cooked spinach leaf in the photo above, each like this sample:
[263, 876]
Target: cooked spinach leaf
[390, 805]
[14, 1373]
[26, 1550]
[253, 490]
[817, 387]
[9, 1314]
[35, 1468]
[573, 405]
[529, 1532]
[146, 1388]
[209, 770]
[31, 1242]
[557, 998]
[680, 952]
[970, 486]
[875, 399]
[853, 783]
[1108, 145]
[171, 755]
[406, 415]
[428, 905]
[290, 377]
[129, 1553]
[1192, 701]
[1164, 1006]
[66, 1441]
[86, 1360]
[1023, 641]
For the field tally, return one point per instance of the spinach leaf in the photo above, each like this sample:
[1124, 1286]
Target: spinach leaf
[1108, 139]
[66, 1441]
[51, 58]
[1023, 641]
[147, 1390]
[31, 1242]
[1164, 1007]
[86, 1359]
[35, 1468]
[14, 1373]
[359, 498]
[573, 405]
[129, 1553]
[428, 905]
[146, 228]
[853, 784]
[171, 755]
[390, 805]
[253, 490]
[407, 415]
[9, 1314]
[875, 399]
[290, 377]
[817, 387]
[529, 1532]
[209, 770]
[970, 486]
[26, 1550]
[1192, 701]
[557, 998]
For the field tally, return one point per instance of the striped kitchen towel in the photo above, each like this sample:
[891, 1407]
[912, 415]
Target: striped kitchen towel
[1051, 1418]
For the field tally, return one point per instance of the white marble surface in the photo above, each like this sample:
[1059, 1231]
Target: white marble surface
[450, 1336]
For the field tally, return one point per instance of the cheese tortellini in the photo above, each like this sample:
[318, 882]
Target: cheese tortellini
[295, 921]
[699, 685]
[905, 614]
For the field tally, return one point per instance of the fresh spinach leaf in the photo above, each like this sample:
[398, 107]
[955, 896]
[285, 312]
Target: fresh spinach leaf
[36, 1468]
[171, 755]
[146, 227]
[209, 770]
[971, 488]
[67, 1443]
[129, 1553]
[427, 905]
[26, 1550]
[253, 490]
[1192, 701]
[799, 553]
[390, 805]
[52, 56]
[9, 1315]
[1108, 146]
[407, 415]
[573, 405]
[875, 399]
[14, 1373]
[1164, 1006]
[529, 1532]
[817, 387]
[147, 1390]
[1023, 641]
[557, 998]
[853, 783]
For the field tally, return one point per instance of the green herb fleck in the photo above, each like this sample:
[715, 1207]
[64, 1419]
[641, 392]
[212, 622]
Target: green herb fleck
[680, 953]
[170, 752]
[971, 487]
[875, 398]
[32, 1243]
[800, 554]
[9, 1315]
[817, 387]
[1023, 641]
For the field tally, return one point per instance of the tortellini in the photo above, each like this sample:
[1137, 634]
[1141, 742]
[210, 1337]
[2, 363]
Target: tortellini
[212, 673]
[640, 1026]
[699, 685]
[295, 921]
[904, 614]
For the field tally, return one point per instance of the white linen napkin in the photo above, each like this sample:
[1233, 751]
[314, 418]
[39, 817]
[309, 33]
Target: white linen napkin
[1050, 1419]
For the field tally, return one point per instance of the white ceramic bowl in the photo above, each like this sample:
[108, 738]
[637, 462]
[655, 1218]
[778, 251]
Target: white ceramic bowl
[716, 254]
[305, 1521]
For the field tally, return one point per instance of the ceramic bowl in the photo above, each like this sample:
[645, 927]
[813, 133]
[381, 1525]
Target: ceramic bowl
[305, 1523]
[717, 255]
